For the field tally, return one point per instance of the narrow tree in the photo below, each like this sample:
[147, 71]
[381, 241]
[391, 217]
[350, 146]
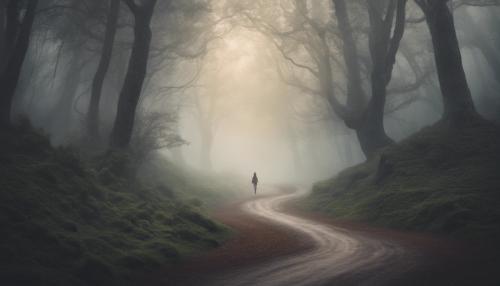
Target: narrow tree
[3, 16]
[17, 35]
[383, 49]
[457, 101]
[106, 53]
[136, 72]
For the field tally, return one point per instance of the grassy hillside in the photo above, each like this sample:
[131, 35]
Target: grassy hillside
[438, 180]
[65, 222]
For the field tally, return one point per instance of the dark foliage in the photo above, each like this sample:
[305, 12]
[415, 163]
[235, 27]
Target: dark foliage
[66, 223]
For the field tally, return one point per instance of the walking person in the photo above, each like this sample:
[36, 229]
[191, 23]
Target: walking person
[255, 181]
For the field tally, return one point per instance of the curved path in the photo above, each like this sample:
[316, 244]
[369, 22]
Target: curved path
[337, 255]
[276, 246]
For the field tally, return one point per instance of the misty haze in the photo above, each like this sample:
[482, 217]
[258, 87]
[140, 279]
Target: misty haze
[249, 142]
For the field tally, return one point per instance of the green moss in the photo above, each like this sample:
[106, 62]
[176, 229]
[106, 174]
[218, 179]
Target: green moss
[69, 222]
[441, 180]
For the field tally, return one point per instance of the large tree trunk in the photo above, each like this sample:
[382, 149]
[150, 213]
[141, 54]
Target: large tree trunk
[371, 132]
[355, 94]
[10, 76]
[371, 139]
[384, 43]
[457, 101]
[107, 50]
[137, 67]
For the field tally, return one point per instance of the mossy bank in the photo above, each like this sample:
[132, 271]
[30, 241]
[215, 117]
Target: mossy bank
[66, 222]
[441, 180]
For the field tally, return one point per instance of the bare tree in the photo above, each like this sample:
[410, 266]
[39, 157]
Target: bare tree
[312, 47]
[384, 20]
[154, 131]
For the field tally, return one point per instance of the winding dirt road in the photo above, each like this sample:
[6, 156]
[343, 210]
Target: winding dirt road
[335, 252]
[277, 246]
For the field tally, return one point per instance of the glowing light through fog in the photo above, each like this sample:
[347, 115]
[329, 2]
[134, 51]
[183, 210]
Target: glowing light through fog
[253, 116]
[250, 132]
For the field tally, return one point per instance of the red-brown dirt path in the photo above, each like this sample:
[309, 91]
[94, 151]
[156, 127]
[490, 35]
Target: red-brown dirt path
[264, 248]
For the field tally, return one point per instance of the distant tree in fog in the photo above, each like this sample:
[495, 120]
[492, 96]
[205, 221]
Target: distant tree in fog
[92, 121]
[457, 100]
[154, 131]
[15, 38]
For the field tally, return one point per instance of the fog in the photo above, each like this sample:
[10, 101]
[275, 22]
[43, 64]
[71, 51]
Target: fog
[253, 117]
[231, 97]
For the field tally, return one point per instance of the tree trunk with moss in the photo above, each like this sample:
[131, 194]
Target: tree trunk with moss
[457, 100]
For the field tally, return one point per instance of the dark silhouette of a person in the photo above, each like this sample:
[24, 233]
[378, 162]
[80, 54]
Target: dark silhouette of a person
[255, 181]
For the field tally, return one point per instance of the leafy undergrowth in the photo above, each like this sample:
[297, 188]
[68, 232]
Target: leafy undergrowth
[65, 222]
[439, 180]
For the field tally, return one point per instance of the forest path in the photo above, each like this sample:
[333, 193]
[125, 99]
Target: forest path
[276, 245]
[334, 252]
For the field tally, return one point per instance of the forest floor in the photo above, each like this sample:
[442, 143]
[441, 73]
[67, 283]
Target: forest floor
[261, 243]
[70, 222]
[67, 220]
